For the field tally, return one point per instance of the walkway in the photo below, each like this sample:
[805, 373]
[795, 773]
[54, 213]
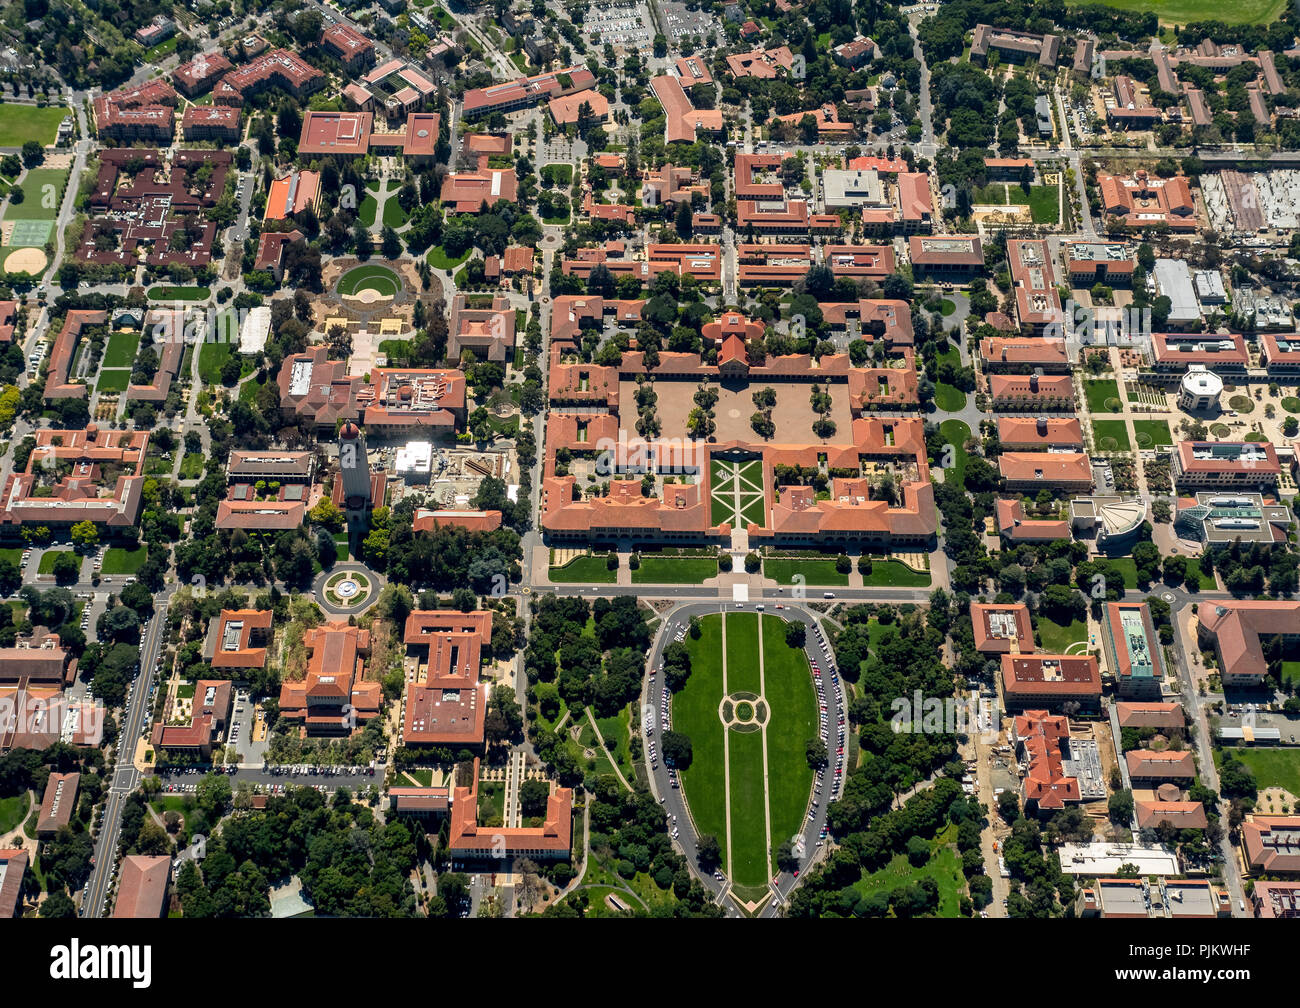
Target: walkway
[600, 741]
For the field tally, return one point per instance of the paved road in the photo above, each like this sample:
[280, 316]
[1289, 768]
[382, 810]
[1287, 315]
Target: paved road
[125, 776]
[673, 799]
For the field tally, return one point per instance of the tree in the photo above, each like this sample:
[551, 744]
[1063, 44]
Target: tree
[795, 634]
[677, 750]
[85, 535]
[1120, 807]
[58, 905]
[533, 796]
[67, 568]
[816, 753]
[708, 852]
[33, 153]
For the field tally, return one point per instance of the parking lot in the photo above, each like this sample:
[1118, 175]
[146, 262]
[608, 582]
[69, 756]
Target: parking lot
[626, 26]
[680, 23]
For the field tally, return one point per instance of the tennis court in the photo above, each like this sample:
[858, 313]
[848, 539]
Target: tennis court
[30, 233]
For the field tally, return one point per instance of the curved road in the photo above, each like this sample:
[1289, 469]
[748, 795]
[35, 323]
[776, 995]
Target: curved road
[673, 799]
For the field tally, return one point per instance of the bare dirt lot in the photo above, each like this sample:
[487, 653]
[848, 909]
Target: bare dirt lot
[793, 414]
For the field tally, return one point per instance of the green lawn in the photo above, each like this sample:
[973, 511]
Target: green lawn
[1182, 12]
[788, 687]
[111, 380]
[20, 123]
[12, 811]
[894, 574]
[366, 212]
[192, 463]
[1110, 435]
[742, 652]
[674, 570]
[394, 215]
[172, 293]
[212, 357]
[374, 277]
[1055, 638]
[47, 561]
[1291, 672]
[1291, 404]
[42, 191]
[615, 730]
[1152, 433]
[491, 802]
[955, 433]
[748, 816]
[123, 561]
[695, 714]
[121, 349]
[1272, 767]
[948, 397]
[439, 259]
[944, 867]
[815, 572]
[584, 569]
[1044, 204]
[1102, 395]
[1128, 568]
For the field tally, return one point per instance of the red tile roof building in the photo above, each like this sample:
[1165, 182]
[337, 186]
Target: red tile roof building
[1178, 814]
[550, 841]
[334, 698]
[946, 254]
[446, 703]
[1023, 354]
[1047, 680]
[342, 133]
[58, 804]
[13, 863]
[1039, 433]
[73, 476]
[143, 887]
[1234, 628]
[1270, 844]
[211, 122]
[1142, 201]
[682, 119]
[276, 68]
[1147, 767]
[144, 112]
[1068, 471]
[1038, 736]
[1217, 465]
[238, 639]
[1016, 528]
[1174, 353]
[765, 64]
[353, 50]
[468, 192]
[1002, 629]
[1038, 305]
[209, 718]
[1031, 392]
[197, 77]
[1161, 716]
[526, 91]
[8, 320]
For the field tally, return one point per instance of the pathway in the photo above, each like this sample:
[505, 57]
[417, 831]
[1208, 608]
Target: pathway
[767, 791]
[726, 755]
[600, 741]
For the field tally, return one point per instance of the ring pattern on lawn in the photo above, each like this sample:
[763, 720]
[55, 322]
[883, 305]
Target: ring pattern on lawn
[369, 283]
[743, 712]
